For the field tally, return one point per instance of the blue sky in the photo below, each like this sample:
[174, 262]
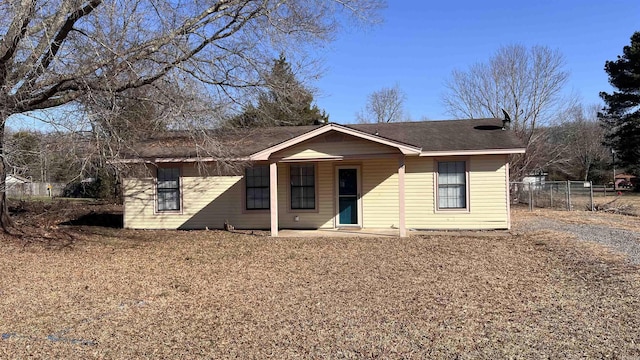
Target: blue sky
[421, 42]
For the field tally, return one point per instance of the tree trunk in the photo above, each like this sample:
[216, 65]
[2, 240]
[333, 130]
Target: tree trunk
[5, 221]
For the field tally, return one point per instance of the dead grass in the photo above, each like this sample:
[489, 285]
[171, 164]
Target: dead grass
[520, 214]
[117, 293]
[629, 201]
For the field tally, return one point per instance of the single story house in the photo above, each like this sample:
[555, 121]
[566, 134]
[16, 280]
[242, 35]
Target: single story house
[535, 180]
[625, 181]
[451, 174]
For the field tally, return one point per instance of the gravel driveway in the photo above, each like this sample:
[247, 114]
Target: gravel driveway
[623, 241]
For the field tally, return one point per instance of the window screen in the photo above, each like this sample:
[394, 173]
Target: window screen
[452, 185]
[303, 187]
[168, 189]
[257, 187]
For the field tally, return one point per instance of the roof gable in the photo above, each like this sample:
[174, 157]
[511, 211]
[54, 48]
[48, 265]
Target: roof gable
[266, 153]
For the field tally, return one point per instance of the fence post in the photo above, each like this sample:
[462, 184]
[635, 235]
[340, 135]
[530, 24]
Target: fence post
[551, 196]
[530, 198]
[591, 194]
[569, 195]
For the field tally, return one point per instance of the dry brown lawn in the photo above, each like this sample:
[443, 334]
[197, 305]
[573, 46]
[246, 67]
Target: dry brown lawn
[627, 201]
[630, 202]
[113, 293]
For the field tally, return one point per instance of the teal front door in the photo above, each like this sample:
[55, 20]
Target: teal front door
[348, 196]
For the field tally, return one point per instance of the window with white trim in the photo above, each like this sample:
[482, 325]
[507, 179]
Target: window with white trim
[452, 185]
[168, 189]
[303, 187]
[257, 187]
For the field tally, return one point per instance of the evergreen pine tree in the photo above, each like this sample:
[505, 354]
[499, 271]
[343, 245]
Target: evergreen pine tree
[285, 102]
[621, 115]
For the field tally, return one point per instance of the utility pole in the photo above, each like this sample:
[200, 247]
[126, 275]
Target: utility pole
[613, 153]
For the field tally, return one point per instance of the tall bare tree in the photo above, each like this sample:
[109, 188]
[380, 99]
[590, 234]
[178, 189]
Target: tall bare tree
[527, 83]
[23, 152]
[384, 106]
[55, 52]
[44, 157]
[581, 138]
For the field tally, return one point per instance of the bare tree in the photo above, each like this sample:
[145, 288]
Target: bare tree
[56, 52]
[43, 157]
[584, 156]
[23, 153]
[527, 83]
[384, 106]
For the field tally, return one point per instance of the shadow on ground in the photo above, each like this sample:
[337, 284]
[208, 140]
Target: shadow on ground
[109, 220]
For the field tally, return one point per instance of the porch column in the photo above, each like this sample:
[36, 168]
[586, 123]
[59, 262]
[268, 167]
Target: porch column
[273, 197]
[401, 200]
[508, 185]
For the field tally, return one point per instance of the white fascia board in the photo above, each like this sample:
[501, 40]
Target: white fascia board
[474, 152]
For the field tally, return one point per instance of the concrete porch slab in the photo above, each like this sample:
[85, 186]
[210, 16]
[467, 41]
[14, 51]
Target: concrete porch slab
[340, 233]
[390, 233]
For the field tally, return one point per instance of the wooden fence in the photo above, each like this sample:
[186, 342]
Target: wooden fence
[31, 189]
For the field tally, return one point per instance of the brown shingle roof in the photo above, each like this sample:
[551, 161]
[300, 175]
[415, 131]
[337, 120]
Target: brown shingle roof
[446, 135]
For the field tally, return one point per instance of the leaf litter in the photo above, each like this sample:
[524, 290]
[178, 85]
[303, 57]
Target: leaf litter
[117, 293]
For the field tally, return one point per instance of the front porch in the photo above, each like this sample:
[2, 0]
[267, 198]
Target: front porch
[356, 196]
[358, 181]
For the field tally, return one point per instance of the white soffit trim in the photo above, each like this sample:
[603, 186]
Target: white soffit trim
[474, 152]
[266, 153]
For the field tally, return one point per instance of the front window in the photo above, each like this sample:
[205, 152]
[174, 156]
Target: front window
[303, 187]
[168, 189]
[257, 187]
[452, 185]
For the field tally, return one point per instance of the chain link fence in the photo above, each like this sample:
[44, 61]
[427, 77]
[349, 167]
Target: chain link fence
[562, 195]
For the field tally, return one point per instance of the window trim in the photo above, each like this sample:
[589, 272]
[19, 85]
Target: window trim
[244, 190]
[315, 189]
[156, 207]
[436, 187]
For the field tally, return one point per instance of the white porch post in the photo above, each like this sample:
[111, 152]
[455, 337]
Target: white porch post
[273, 197]
[508, 192]
[401, 200]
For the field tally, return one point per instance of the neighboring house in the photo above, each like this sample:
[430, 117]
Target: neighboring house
[625, 181]
[17, 186]
[535, 180]
[417, 175]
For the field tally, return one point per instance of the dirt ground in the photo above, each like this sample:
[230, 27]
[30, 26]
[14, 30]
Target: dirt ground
[88, 291]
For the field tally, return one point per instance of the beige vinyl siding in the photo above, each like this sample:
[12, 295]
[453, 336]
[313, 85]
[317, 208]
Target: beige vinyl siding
[207, 201]
[323, 216]
[333, 145]
[380, 201]
[487, 196]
